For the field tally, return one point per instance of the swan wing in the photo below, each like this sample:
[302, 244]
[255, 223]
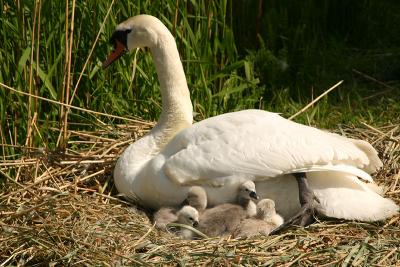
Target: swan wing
[261, 144]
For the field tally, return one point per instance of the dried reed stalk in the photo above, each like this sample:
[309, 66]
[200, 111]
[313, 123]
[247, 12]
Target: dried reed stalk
[65, 210]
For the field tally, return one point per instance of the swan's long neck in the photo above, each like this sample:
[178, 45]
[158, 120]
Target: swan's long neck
[176, 104]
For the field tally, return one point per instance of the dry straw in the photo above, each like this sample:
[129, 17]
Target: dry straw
[64, 210]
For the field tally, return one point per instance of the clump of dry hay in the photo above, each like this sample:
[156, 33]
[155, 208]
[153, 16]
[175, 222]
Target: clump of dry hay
[62, 209]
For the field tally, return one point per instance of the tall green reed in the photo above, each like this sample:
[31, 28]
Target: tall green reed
[299, 49]
[37, 58]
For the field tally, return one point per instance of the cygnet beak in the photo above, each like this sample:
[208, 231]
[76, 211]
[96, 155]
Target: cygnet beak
[195, 223]
[253, 194]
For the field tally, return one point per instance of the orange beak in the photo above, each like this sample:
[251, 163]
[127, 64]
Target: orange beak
[119, 50]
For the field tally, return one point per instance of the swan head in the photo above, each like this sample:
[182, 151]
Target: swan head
[197, 198]
[188, 215]
[247, 190]
[138, 31]
[265, 208]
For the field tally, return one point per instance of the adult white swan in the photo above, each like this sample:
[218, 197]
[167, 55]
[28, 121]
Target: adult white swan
[221, 152]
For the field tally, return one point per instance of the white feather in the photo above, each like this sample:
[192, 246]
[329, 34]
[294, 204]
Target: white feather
[223, 151]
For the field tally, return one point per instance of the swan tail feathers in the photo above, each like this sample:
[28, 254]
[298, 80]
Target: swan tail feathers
[374, 161]
[344, 196]
[345, 203]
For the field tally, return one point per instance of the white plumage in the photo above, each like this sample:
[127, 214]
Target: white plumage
[221, 152]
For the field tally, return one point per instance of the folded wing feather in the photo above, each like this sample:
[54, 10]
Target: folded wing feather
[264, 145]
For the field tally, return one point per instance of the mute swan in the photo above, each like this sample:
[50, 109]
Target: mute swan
[197, 198]
[264, 222]
[224, 218]
[221, 152]
[186, 215]
[247, 192]
[189, 216]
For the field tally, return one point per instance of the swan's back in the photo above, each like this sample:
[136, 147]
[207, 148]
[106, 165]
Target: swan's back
[265, 145]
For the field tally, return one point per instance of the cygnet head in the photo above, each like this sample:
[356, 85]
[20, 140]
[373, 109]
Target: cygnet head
[138, 31]
[247, 190]
[197, 198]
[265, 208]
[188, 215]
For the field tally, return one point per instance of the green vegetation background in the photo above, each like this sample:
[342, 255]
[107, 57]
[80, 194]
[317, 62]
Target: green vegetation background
[237, 54]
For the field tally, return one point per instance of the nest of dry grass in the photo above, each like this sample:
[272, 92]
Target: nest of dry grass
[62, 209]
